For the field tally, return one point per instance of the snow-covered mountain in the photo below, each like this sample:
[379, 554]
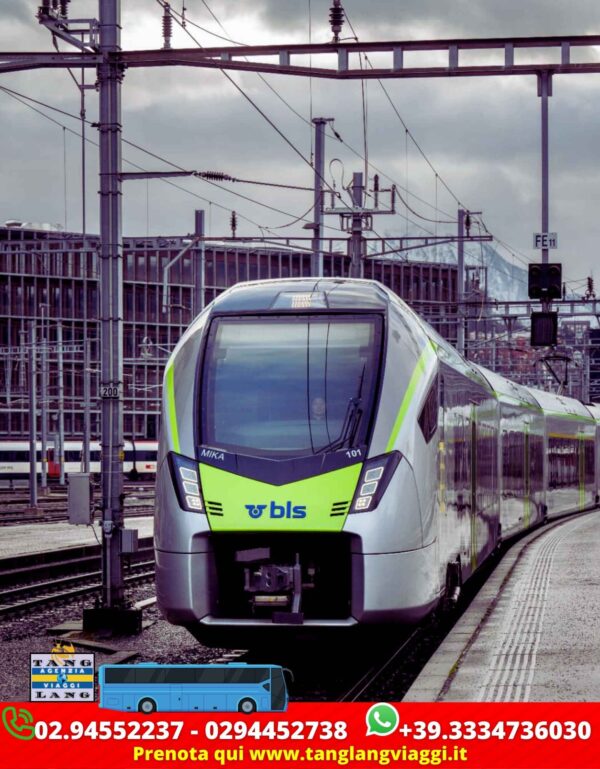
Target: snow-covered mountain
[506, 280]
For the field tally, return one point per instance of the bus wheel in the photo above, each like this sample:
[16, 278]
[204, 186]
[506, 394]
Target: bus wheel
[247, 706]
[147, 705]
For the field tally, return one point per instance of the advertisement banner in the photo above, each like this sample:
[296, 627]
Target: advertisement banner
[355, 735]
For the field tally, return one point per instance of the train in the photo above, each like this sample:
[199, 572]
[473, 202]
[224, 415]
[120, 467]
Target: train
[327, 460]
[139, 462]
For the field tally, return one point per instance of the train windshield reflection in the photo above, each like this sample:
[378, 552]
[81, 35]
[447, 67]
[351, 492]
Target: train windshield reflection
[290, 387]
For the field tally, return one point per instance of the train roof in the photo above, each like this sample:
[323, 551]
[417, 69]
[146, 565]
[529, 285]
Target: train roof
[560, 405]
[304, 293]
[594, 409]
[508, 391]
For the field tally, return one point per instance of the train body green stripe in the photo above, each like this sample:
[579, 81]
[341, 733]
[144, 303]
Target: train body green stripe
[416, 377]
[171, 407]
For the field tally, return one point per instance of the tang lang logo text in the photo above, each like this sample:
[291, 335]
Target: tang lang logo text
[64, 677]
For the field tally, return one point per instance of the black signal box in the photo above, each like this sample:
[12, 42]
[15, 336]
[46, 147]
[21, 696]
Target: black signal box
[545, 281]
[544, 329]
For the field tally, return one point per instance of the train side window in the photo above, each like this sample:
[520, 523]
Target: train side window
[428, 418]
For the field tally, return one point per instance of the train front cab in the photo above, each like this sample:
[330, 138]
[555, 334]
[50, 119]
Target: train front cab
[264, 540]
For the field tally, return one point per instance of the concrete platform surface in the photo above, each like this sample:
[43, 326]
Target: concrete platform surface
[532, 633]
[38, 538]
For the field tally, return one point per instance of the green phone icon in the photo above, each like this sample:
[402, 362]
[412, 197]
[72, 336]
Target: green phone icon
[18, 723]
[382, 719]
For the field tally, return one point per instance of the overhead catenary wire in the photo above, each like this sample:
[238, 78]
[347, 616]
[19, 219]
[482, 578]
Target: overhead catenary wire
[310, 89]
[406, 128]
[22, 98]
[255, 106]
[237, 42]
[331, 132]
[286, 213]
[363, 157]
[408, 134]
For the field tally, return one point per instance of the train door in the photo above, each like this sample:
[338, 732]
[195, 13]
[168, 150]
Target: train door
[442, 448]
[581, 473]
[474, 550]
[53, 465]
[526, 477]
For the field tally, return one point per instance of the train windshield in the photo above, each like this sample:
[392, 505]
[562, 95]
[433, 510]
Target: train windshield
[290, 387]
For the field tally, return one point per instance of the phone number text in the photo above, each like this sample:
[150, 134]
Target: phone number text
[499, 730]
[172, 730]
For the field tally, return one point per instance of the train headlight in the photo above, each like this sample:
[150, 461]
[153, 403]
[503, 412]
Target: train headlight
[374, 479]
[186, 478]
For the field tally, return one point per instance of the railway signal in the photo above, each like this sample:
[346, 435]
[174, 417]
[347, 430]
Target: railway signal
[545, 281]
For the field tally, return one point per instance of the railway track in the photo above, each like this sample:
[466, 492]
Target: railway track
[57, 512]
[379, 670]
[59, 493]
[27, 584]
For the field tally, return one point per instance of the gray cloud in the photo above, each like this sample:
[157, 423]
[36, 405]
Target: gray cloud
[482, 135]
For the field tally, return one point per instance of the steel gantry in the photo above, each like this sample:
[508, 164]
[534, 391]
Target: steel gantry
[98, 44]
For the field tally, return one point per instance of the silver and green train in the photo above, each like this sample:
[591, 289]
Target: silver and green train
[327, 460]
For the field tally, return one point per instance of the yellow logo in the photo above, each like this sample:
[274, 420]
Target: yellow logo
[62, 651]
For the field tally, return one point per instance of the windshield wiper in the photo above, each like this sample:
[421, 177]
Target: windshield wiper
[351, 421]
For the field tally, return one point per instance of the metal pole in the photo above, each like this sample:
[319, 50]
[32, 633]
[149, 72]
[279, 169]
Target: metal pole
[199, 232]
[44, 403]
[544, 91]
[166, 268]
[460, 288]
[61, 404]
[356, 242]
[111, 303]
[83, 142]
[86, 406]
[317, 243]
[32, 417]
[22, 367]
[7, 379]
[585, 396]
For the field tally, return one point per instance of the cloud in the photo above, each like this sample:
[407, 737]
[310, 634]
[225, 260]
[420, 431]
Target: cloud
[482, 135]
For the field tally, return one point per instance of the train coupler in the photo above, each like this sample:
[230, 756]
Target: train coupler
[273, 586]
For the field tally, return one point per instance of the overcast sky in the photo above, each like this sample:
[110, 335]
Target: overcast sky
[482, 135]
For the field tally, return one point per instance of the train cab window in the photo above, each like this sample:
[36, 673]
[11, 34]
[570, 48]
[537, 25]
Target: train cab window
[428, 418]
[290, 386]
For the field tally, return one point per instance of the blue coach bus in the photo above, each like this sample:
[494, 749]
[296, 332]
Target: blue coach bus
[147, 687]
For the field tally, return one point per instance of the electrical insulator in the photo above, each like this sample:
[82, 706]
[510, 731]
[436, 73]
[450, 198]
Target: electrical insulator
[590, 293]
[336, 19]
[215, 176]
[376, 190]
[64, 8]
[183, 19]
[468, 223]
[233, 223]
[55, 5]
[44, 9]
[167, 25]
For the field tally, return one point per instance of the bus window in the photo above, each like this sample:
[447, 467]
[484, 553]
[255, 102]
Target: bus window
[278, 690]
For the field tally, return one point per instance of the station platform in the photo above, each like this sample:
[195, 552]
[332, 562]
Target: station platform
[29, 538]
[532, 633]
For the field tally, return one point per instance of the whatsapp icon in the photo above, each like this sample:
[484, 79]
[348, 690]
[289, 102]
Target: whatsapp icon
[382, 719]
